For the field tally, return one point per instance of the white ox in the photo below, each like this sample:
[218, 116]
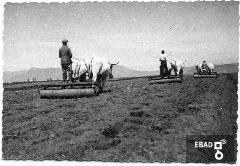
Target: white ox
[97, 68]
[79, 69]
[209, 65]
[177, 66]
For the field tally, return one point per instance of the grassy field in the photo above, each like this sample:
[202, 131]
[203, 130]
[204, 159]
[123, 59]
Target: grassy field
[131, 122]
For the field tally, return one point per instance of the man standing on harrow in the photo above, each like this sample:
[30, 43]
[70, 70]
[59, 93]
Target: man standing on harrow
[163, 65]
[65, 54]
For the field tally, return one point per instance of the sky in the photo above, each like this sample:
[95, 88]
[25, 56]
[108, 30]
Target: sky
[133, 33]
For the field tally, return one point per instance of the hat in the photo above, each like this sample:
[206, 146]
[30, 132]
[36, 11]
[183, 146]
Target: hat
[64, 41]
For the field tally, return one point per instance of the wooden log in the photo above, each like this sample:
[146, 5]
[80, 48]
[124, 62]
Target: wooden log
[212, 75]
[162, 81]
[66, 93]
[158, 77]
[60, 84]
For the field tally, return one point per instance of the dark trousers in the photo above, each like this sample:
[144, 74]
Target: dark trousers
[67, 72]
[163, 68]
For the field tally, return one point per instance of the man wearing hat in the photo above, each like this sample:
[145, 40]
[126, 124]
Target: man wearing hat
[66, 62]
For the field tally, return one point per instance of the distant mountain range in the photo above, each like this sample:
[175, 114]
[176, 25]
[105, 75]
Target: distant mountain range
[43, 74]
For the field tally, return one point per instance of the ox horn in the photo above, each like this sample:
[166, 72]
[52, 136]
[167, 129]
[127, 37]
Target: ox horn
[112, 64]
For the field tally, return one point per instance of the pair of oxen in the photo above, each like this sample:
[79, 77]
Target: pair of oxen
[97, 69]
[166, 68]
[207, 68]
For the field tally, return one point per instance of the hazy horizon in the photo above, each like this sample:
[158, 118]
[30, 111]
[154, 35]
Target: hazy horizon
[113, 68]
[132, 33]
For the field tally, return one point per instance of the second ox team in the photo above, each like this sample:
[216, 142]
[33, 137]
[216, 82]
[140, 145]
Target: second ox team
[166, 67]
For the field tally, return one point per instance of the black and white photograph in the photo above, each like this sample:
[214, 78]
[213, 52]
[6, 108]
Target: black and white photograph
[120, 82]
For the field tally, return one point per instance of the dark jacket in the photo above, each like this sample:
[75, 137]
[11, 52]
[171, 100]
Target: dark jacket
[204, 65]
[65, 55]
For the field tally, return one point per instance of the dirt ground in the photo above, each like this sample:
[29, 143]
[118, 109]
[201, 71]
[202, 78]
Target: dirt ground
[131, 122]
